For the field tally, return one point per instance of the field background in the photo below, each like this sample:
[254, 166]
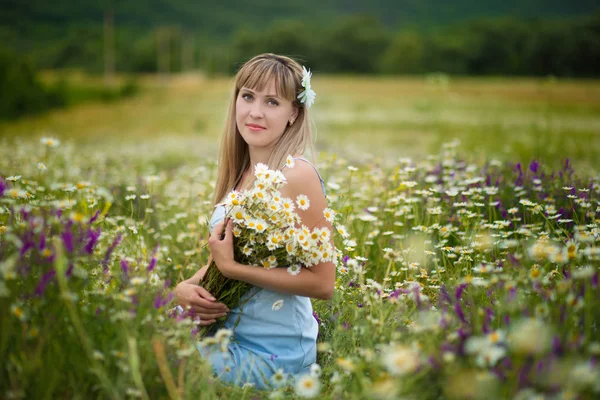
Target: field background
[516, 119]
[460, 146]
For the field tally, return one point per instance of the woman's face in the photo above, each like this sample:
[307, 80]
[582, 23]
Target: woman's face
[262, 116]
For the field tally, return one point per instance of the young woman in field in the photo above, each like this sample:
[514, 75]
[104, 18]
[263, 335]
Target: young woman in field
[268, 120]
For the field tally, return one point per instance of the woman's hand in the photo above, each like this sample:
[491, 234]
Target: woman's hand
[203, 303]
[221, 246]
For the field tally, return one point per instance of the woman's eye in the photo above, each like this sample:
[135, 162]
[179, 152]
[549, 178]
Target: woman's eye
[247, 96]
[273, 102]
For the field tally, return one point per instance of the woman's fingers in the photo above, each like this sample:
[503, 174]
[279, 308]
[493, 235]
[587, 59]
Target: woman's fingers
[208, 301]
[204, 293]
[207, 315]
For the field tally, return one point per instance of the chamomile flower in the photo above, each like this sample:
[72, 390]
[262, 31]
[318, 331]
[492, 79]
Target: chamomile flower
[294, 269]
[329, 214]
[289, 161]
[342, 231]
[50, 142]
[273, 241]
[279, 377]
[307, 96]
[307, 386]
[303, 202]
[277, 305]
[270, 262]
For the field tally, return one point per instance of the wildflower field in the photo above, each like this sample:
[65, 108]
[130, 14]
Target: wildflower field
[466, 269]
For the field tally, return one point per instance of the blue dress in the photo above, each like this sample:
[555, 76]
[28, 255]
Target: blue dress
[265, 339]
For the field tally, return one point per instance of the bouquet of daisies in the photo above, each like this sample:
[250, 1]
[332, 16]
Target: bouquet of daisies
[268, 233]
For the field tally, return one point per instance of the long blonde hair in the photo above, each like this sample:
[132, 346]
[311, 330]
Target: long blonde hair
[234, 155]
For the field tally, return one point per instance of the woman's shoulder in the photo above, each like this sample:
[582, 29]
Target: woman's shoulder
[303, 178]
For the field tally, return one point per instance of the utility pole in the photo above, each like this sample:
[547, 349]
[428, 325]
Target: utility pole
[109, 46]
[187, 52]
[163, 53]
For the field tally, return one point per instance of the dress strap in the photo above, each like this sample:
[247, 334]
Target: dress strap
[316, 170]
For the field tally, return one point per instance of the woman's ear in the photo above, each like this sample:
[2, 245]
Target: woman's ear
[294, 115]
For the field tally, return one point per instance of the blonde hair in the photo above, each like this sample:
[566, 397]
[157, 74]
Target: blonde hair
[234, 155]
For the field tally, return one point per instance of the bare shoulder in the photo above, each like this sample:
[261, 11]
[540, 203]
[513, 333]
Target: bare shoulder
[302, 178]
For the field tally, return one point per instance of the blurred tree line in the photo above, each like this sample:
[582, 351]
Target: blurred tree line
[24, 92]
[355, 44]
[567, 47]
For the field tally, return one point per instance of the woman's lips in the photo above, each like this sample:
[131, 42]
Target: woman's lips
[255, 128]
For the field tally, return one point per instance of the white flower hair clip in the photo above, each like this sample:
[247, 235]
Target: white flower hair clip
[308, 95]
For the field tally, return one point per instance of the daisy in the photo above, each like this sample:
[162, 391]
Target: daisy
[303, 202]
[329, 214]
[294, 269]
[307, 386]
[279, 378]
[273, 241]
[247, 250]
[277, 305]
[342, 231]
[289, 161]
[269, 263]
[50, 142]
[401, 360]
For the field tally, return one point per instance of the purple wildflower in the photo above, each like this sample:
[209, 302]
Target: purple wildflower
[124, 267]
[160, 302]
[26, 247]
[94, 217]
[67, 238]
[316, 316]
[42, 244]
[459, 291]
[69, 271]
[557, 348]
[92, 237]
[114, 244]
[153, 260]
[44, 281]
[459, 312]
[524, 373]
[2, 187]
[534, 166]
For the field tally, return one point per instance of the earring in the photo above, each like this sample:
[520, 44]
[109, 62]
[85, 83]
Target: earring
[291, 122]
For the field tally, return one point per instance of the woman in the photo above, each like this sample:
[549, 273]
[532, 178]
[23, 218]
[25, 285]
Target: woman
[268, 120]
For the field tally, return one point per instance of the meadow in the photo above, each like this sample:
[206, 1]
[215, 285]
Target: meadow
[467, 230]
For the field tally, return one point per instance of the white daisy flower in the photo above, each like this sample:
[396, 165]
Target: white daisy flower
[154, 279]
[279, 378]
[289, 161]
[277, 305]
[307, 386]
[294, 269]
[329, 214]
[50, 142]
[315, 370]
[303, 202]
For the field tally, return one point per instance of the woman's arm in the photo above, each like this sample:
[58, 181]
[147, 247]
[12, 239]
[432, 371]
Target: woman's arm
[197, 277]
[317, 281]
[310, 282]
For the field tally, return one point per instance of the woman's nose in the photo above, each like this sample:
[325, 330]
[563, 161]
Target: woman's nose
[256, 110]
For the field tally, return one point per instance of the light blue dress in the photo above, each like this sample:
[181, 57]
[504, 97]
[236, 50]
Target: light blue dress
[265, 339]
